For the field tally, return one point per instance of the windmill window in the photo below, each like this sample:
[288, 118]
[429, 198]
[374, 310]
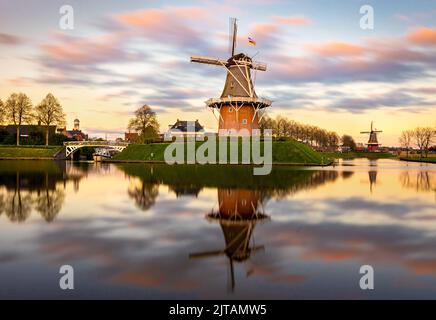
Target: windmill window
[230, 109]
[232, 84]
[244, 121]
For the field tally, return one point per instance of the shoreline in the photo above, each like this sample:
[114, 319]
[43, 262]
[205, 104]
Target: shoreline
[418, 160]
[29, 158]
[290, 164]
[222, 164]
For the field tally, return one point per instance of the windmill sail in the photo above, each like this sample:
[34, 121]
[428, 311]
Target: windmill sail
[233, 31]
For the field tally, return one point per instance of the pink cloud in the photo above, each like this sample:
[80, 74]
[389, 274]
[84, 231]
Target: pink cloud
[423, 36]
[417, 17]
[172, 25]
[295, 67]
[426, 90]
[83, 50]
[158, 17]
[402, 17]
[20, 82]
[263, 29]
[374, 59]
[337, 49]
[292, 20]
[9, 39]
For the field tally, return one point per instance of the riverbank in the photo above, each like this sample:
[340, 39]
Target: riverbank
[354, 155]
[424, 160]
[283, 153]
[28, 152]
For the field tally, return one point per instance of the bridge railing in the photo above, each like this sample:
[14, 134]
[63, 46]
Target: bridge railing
[94, 143]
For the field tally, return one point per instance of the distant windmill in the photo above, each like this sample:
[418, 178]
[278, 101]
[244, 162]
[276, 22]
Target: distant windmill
[238, 106]
[372, 141]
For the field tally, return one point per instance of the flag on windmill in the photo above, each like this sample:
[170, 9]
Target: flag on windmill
[251, 41]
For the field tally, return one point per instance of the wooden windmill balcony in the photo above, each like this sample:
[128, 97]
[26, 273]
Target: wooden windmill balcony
[218, 102]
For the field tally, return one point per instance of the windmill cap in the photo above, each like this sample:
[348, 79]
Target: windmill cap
[239, 56]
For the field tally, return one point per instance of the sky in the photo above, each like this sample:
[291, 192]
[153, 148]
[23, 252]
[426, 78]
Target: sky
[323, 68]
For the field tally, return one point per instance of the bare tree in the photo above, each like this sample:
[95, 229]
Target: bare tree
[406, 140]
[429, 135]
[18, 110]
[313, 135]
[265, 123]
[281, 126]
[2, 112]
[424, 136]
[419, 139]
[49, 112]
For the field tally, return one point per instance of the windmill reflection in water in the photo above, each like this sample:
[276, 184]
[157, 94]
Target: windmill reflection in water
[238, 213]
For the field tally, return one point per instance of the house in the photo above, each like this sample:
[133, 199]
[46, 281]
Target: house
[185, 129]
[360, 147]
[131, 137]
[29, 130]
[345, 148]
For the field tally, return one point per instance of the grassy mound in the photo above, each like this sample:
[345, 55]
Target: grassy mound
[284, 152]
[31, 152]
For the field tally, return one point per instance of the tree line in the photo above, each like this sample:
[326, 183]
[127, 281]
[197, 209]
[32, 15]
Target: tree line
[421, 137]
[147, 127]
[314, 136]
[18, 110]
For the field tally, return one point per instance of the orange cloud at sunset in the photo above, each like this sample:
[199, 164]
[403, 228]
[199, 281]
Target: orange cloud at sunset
[153, 17]
[337, 49]
[292, 20]
[423, 266]
[423, 36]
[263, 30]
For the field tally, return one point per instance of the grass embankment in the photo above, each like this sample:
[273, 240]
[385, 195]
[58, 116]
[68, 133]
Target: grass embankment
[353, 155]
[28, 152]
[425, 160]
[283, 152]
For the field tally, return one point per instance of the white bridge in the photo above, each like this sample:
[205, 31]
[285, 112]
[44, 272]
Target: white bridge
[73, 146]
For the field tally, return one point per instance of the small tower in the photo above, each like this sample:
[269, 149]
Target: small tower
[76, 125]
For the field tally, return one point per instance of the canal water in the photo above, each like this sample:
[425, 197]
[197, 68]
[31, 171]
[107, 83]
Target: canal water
[155, 232]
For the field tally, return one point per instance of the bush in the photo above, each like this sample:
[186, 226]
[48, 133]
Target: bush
[58, 139]
[36, 137]
[5, 137]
